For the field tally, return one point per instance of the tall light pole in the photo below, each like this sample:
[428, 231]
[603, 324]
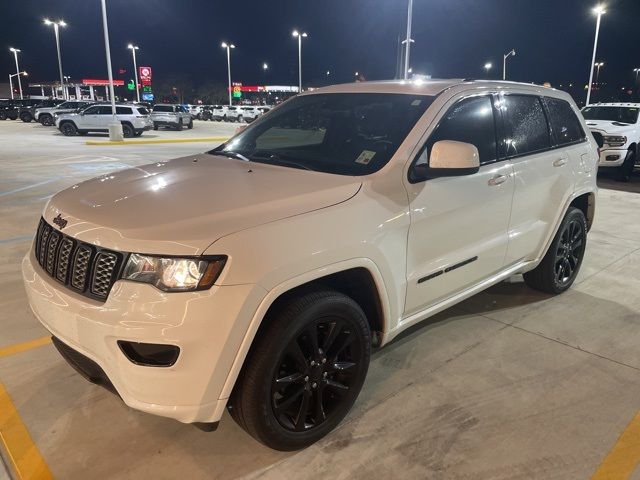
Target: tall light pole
[407, 41]
[115, 127]
[11, 75]
[299, 36]
[133, 49]
[598, 65]
[56, 29]
[504, 63]
[599, 11]
[228, 46]
[15, 52]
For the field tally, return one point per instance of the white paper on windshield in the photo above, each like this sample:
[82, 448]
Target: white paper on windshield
[365, 157]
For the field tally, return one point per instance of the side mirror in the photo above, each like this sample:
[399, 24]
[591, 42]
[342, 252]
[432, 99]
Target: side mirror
[449, 159]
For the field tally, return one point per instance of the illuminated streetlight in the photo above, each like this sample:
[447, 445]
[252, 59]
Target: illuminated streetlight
[265, 66]
[599, 11]
[299, 36]
[598, 65]
[15, 52]
[11, 75]
[133, 49]
[56, 28]
[504, 63]
[636, 71]
[228, 46]
[488, 66]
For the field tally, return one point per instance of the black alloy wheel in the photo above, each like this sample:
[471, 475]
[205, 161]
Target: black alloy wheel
[305, 370]
[569, 253]
[68, 129]
[46, 120]
[315, 373]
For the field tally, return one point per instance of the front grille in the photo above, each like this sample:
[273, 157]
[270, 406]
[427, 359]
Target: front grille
[82, 267]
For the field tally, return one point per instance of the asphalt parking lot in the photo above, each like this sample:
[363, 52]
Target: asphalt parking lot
[510, 384]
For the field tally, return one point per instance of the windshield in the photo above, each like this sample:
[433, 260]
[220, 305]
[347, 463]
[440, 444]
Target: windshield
[612, 114]
[341, 133]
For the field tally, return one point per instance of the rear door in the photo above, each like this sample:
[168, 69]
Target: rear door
[544, 174]
[458, 234]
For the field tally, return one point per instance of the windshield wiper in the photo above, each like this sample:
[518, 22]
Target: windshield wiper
[230, 154]
[278, 159]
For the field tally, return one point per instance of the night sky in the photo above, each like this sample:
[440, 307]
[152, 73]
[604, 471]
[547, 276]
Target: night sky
[454, 38]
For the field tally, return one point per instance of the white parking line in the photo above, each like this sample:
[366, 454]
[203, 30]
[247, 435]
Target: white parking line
[27, 187]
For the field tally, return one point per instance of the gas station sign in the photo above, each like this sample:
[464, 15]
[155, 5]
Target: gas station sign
[145, 74]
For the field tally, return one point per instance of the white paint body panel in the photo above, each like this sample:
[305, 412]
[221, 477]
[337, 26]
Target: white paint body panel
[283, 227]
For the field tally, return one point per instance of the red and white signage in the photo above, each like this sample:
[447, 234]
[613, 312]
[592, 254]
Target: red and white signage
[145, 75]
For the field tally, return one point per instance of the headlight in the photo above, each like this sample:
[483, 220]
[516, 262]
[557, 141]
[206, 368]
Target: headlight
[172, 274]
[615, 140]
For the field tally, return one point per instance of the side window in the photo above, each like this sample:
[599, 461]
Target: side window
[124, 111]
[526, 124]
[470, 121]
[91, 111]
[104, 110]
[564, 123]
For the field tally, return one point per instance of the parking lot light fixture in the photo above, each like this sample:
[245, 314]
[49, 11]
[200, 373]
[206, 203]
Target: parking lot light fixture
[56, 29]
[599, 11]
[488, 66]
[265, 66]
[11, 75]
[115, 127]
[598, 66]
[512, 53]
[636, 71]
[228, 47]
[133, 49]
[15, 52]
[299, 36]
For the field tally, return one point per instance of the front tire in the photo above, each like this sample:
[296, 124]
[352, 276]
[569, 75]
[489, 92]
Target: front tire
[625, 171]
[26, 117]
[190, 126]
[155, 126]
[46, 120]
[180, 126]
[561, 264]
[305, 372]
[68, 129]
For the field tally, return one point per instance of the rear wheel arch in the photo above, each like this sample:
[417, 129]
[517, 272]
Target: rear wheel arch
[587, 203]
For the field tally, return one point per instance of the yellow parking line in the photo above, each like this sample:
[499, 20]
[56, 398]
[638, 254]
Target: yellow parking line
[21, 347]
[160, 140]
[624, 456]
[23, 454]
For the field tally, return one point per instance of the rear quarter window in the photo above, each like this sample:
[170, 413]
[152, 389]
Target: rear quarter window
[526, 123]
[124, 111]
[564, 122]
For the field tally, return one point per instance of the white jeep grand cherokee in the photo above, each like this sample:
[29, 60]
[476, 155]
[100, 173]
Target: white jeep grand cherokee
[258, 276]
[619, 126]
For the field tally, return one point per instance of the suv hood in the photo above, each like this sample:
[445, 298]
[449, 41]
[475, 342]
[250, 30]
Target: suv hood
[182, 206]
[609, 127]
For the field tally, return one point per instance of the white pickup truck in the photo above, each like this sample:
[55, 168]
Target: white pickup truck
[619, 127]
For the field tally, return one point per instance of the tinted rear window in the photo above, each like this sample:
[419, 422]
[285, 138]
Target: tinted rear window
[526, 122]
[564, 122]
[163, 108]
[124, 111]
[143, 111]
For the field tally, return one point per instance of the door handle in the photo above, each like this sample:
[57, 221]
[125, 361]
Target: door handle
[498, 180]
[560, 162]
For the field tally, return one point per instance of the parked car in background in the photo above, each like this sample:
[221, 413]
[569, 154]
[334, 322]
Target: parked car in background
[46, 116]
[257, 277]
[171, 116]
[8, 110]
[28, 112]
[207, 112]
[219, 113]
[619, 125]
[195, 111]
[135, 119]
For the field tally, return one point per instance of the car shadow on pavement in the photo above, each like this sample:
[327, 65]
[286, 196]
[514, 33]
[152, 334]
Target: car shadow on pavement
[608, 180]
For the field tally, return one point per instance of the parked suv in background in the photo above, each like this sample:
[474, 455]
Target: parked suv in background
[219, 113]
[258, 276]
[619, 125]
[135, 119]
[172, 116]
[28, 112]
[46, 116]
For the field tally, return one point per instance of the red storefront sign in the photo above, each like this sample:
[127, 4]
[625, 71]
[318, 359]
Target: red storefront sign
[145, 74]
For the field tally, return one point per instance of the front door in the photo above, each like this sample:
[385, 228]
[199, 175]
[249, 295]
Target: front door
[458, 233]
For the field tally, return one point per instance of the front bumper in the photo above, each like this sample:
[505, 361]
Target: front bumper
[612, 157]
[208, 326]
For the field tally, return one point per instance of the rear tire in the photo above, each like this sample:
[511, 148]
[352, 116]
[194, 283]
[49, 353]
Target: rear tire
[68, 129]
[625, 171]
[180, 126]
[46, 120]
[190, 126]
[155, 126]
[305, 370]
[3, 116]
[127, 130]
[26, 117]
[561, 264]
